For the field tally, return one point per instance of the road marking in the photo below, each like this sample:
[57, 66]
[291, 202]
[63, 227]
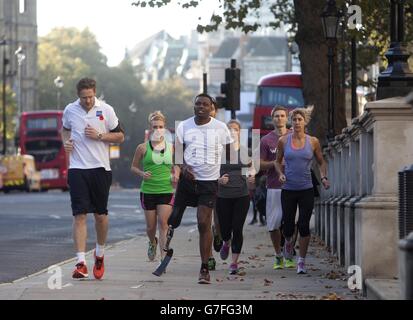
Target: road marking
[55, 216]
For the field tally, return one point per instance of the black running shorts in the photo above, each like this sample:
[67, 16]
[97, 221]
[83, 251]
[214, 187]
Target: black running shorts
[89, 190]
[192, 193]
[149, 201]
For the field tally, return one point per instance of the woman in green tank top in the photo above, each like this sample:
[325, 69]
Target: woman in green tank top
[155, 156]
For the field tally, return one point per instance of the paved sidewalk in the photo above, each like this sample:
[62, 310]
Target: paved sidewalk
[129, 275]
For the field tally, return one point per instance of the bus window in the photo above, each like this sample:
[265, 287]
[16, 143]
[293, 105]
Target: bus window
[288, 97]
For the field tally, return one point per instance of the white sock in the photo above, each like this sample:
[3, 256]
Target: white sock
[80, 257]
[100, 250]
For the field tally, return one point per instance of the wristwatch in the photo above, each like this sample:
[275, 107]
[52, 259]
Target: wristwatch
[324, 178]
[100, 136]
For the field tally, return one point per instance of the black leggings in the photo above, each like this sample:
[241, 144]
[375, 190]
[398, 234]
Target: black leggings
[289, 201]
[232, 213]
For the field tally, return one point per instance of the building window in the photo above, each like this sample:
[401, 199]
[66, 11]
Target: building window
[22, 6]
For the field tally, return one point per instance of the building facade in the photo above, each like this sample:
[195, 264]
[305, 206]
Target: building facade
[18, 26]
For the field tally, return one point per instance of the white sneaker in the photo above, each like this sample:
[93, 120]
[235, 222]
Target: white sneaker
[301, 268]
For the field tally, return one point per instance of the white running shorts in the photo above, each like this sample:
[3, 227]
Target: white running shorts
[274, 209]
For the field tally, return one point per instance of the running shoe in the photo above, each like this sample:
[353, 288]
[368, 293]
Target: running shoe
[99, 267]
[211, 264]
[80, 272]
[233, 268]
[278, 263]
[224, 252]
[301, 268]
[204, 277]
[289, 263]
[217, 240]
[152, 249]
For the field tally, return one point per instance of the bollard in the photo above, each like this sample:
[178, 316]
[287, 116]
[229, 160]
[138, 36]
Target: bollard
[406, 267]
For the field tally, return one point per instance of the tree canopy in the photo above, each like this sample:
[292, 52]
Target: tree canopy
[303, 23]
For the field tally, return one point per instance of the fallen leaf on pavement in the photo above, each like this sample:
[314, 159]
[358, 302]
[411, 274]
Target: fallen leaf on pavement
[331, 296]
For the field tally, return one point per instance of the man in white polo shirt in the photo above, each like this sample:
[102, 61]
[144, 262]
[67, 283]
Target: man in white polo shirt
[89, 125]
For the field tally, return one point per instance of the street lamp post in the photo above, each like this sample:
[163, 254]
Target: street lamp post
[330, 19]
[20, 58]
[5, 62]
[59, 85]
[397, 79]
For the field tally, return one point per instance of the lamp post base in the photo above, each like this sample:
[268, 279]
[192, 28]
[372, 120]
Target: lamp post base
[394, 88]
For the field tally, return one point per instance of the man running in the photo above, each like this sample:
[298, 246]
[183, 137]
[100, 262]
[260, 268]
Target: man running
[201, 140]
[268, 151]
[89, 126]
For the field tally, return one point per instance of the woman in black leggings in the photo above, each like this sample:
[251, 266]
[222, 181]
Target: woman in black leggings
[233, 199]
[295, 153]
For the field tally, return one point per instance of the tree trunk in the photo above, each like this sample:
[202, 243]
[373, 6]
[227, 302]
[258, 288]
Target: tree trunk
[314, 68]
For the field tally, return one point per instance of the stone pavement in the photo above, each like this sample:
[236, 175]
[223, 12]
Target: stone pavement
[129, 275]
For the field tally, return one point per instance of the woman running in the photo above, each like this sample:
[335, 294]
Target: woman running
[233, 200]
[298, 150]
[156, 156]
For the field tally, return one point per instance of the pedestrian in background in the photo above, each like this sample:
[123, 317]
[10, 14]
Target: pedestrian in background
[89, 126]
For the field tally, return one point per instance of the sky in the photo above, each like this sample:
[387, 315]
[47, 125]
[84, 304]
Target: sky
[119, 25]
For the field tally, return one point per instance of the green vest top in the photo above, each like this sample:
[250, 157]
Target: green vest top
[160, 165]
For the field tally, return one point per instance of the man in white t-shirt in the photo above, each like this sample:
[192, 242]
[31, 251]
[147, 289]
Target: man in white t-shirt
[89, 126]
[200, 139]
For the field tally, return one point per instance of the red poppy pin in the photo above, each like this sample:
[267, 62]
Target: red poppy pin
[101, 118]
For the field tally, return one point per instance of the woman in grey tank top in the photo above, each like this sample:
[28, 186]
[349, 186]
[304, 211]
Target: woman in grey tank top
[233, 199]
[298, 150]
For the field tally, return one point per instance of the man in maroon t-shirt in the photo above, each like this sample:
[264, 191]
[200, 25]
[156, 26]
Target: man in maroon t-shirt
[268, 150]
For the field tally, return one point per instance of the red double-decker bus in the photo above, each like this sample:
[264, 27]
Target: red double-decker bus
[40, 136]
[276, 89]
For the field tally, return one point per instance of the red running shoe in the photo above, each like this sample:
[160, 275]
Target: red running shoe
[80, 272]
[99, 267]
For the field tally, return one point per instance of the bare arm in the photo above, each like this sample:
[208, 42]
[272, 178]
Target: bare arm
[266, 165]
[176, 169]
[67, 142]
[113, 137]
[65, 135]
[278, 164]
[322, 165]
[110, 137]
[179, 161]
[136, 162]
